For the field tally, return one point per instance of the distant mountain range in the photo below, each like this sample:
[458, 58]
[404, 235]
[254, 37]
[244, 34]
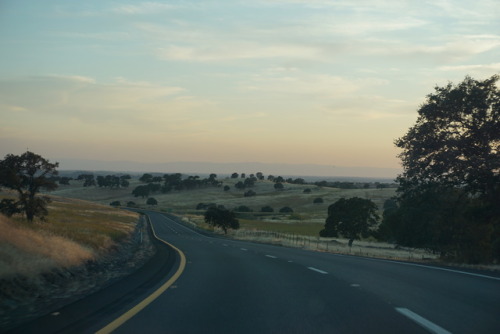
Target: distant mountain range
[298, 170]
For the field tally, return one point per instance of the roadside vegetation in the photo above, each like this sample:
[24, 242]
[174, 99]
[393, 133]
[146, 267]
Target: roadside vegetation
[73, 233]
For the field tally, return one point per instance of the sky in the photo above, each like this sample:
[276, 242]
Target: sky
[330, 83]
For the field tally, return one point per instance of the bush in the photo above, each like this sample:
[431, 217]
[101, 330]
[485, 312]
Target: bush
[243, 208]
[307, 191]
[318, 200]
[226, 188]
[279, 186]
[115, 203]
[286, 209]
[266, 208]
[152, 201]
[250, 193]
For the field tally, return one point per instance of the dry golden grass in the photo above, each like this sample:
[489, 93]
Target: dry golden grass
[28, 252]
[75, 231]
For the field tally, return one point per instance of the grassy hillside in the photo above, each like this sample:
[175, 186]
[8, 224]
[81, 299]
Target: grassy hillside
[185, 202]
[75, 231]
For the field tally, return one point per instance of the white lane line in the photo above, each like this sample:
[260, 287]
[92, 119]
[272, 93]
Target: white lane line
[317, 270]
[271, 256]
[244, 249]
[432, 267]
[432, 327]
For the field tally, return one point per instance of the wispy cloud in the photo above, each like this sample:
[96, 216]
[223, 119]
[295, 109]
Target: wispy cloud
[143, 8]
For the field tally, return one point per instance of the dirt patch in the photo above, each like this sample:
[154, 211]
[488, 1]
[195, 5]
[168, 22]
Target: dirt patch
[23, 298]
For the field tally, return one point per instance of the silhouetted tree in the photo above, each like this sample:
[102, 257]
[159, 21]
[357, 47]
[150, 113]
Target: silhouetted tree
[152, 201]
[279, 186]
[222, 218]
[28, 174]
[286, 209]
[449, 190]
[266, 208]
[351, 218]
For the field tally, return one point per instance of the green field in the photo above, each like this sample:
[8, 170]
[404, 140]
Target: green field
[307, 218]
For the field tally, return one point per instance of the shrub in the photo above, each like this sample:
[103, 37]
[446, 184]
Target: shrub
[266, 208]
[318, 200]
[286, 209]
[115, 203]
[243, 208]
[250, 193]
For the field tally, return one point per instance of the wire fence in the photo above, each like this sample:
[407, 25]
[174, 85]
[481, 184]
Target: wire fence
[334, 245]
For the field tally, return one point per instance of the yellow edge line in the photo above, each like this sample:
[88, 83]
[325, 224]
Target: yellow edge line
[148, 300]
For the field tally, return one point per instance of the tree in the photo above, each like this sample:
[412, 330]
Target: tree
[234, 175]
[152, 201]
[243, 208]
[250, 193]
[142, 191]
[449, 190]
[227, 188]
[318, 200]
[456, 140]
[64, 180]
[351, 218]
[146, 178]
[115, 203]
[27, 174]
[267, 208]
[279, 186]
[286, 209]
[222, 218]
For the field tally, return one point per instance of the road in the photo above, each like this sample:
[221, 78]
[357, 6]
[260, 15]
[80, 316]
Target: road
[241, 287]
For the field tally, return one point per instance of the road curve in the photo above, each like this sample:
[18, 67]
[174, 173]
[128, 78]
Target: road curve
[241, 287]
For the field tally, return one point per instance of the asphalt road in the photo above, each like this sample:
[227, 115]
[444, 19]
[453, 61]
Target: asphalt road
[241, 287]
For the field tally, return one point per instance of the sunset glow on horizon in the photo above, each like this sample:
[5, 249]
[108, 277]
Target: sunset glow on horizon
[283, 81]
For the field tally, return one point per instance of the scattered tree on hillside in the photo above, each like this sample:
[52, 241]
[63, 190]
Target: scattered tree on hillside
[146, 178]
[27, 174]
[318, 200]
[286, 209]
[222, 218]
[250, 193]
[243, 208]
[279, 186]
[449, 191]
[266, 208]
[307, 191]
[115, 203]
[227, 188]
[152, 201]
[351, 218]
[64, 180]
[234, 175]
[88, 179]
[142, 191]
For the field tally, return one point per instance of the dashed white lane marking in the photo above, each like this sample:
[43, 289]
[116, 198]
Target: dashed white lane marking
[317, 270]
[290, 261]
[225, 245]
[432, 327]
[354, 285]
[244, 249]
[271, 256]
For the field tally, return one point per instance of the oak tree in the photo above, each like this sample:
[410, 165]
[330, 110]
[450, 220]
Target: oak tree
[27, 174]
